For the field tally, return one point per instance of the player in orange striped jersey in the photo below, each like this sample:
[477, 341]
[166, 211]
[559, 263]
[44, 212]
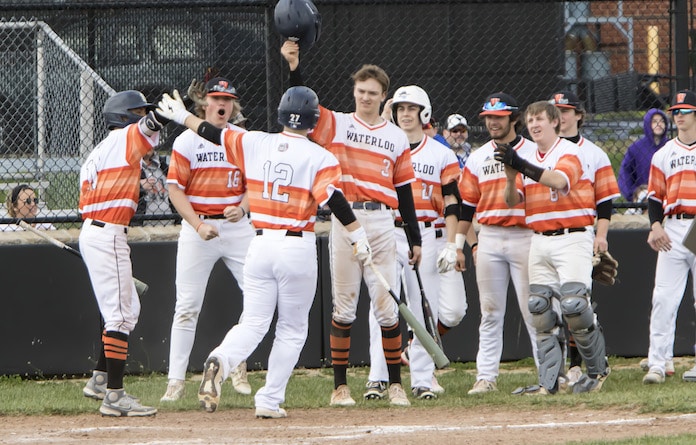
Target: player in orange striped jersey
[598, 171]
[504, 237]
[208, 192]
[434, 193]
[109, 190]
[288, 177]
[377, 176]
[672, 193]
[559, 207]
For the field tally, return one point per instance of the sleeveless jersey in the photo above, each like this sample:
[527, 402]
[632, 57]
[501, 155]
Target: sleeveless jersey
[482, 185]
[209, 180]
[288, 177]
[673, 177]
[375, 159]
[110, 177]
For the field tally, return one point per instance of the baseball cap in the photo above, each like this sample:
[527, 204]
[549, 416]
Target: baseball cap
[565, 99]
[220, 87]
[684, 99]
[455, 120]
[499, 104]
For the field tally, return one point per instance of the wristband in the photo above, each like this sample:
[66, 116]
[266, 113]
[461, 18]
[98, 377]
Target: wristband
[357, 235]
[180, 116]
[474, 246]
[199, 226]
[459, 240]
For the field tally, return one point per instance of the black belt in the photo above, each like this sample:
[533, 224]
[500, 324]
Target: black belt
[401, 224]
[218, 216]
[561, 231]
[438, 233]
[368, 205]
[681, 216]
[103, 224]
[287, 233]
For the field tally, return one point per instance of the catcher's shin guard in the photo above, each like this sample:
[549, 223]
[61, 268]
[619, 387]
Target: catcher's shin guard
[575, 305]
[545, 321]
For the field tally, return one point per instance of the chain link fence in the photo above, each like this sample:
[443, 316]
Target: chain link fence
[61, 59]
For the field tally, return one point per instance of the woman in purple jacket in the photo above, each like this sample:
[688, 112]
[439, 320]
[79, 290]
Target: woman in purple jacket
[635, 167]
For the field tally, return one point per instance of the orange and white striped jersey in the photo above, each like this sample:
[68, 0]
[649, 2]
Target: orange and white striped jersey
[597, 169]
[673, 177]
[375, 159]
[288, 177]
[434, 165]
[202, 169]
[482, 185]
[110, 177]
[551, 209]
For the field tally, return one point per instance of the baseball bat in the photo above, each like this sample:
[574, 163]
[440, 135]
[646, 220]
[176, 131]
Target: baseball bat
[140, 287]
[439, 357]
[430, 324]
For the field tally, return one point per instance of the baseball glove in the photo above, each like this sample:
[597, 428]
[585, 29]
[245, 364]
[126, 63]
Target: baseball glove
[196, 92]
[604, 268]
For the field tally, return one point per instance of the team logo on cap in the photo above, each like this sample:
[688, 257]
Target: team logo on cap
[681, 97]
[494, 100]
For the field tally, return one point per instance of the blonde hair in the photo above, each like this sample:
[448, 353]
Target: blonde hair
[541, 107]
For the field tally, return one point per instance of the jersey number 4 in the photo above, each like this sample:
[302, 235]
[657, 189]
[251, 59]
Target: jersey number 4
[277, 176]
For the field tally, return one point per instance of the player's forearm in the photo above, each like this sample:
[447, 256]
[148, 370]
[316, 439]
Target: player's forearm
[452, 206]
[602, 229]
[554, 179]
[512, 197]
[183, 205]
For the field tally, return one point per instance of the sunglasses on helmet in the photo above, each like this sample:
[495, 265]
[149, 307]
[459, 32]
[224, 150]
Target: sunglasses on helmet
[682, 111]
[498, 106]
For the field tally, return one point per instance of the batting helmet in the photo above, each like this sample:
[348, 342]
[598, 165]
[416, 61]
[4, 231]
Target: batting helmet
[299, 21]
[415, 95]
[299, 108]
[117, 109]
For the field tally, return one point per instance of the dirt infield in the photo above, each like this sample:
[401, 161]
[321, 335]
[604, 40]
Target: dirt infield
[410, 426]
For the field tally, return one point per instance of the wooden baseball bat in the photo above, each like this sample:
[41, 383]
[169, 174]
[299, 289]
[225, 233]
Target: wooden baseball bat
[439, 357]
[140, 287]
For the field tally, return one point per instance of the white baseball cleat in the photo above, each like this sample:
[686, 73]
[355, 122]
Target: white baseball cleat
[209, 392]
[654, 376]
[341, 396]
[397, 395]
[175, 390]
[482, 386]
[240, 381]
[265, 413]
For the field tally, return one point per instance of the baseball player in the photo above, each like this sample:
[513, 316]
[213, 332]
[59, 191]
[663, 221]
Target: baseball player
[208, 192]
[288, 178]
[434, 193]
[671, 193]
[502, 252]
[377, 174]
[559, 206]
[597, 168]
[109, 188]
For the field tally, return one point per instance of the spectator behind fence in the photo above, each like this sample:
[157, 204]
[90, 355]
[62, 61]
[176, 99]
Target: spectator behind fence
[635, 166]
[22, 203]
[456, 133]
[154, 197]
[432, 129]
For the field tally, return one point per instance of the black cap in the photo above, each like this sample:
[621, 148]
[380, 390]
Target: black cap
[499, 104]
[684, 99]
[565, 99]
[219, 86]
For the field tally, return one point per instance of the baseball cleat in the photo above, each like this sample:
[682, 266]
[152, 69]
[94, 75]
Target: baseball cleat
[341, 396]
[690, 375]
[482, 386]
[423, 393]
[397, 395]
[117, 403]
[574, 374]
[375, 390]
[589, 384]
[240, 381]
[436, 387]
[265, 413]
[175, 390]
[654, 376]
[96, 386]
[209, 391]
[669, 367]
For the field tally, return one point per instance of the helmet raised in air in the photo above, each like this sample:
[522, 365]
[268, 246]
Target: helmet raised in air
[299, 21]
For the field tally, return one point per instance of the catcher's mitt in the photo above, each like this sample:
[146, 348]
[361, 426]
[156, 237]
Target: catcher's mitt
[604, 268]
[196, 92]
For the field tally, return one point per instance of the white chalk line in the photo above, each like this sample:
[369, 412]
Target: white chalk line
[354, 432]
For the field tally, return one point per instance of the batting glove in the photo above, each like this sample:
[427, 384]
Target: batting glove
[361, 248]
[173, 108]
[447, 258]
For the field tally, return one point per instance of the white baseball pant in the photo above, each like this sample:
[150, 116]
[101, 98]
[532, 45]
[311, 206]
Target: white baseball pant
[194, 262]
[503, 253]
[671, 273]
[106, 253]
[280, 272]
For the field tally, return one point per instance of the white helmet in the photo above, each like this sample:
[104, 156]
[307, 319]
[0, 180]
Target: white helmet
[415, 95]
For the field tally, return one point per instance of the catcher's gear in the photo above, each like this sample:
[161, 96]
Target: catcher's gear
[299, 21]
[196, 92]
[415, 95]
[299, 108]
[604, 268]
[117, 109]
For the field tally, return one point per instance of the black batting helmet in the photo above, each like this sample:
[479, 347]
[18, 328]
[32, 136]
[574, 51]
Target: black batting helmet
[117, 109]
[299, 21]
[299, 108]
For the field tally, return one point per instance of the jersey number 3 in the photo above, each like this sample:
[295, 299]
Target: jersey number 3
[278, 175]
